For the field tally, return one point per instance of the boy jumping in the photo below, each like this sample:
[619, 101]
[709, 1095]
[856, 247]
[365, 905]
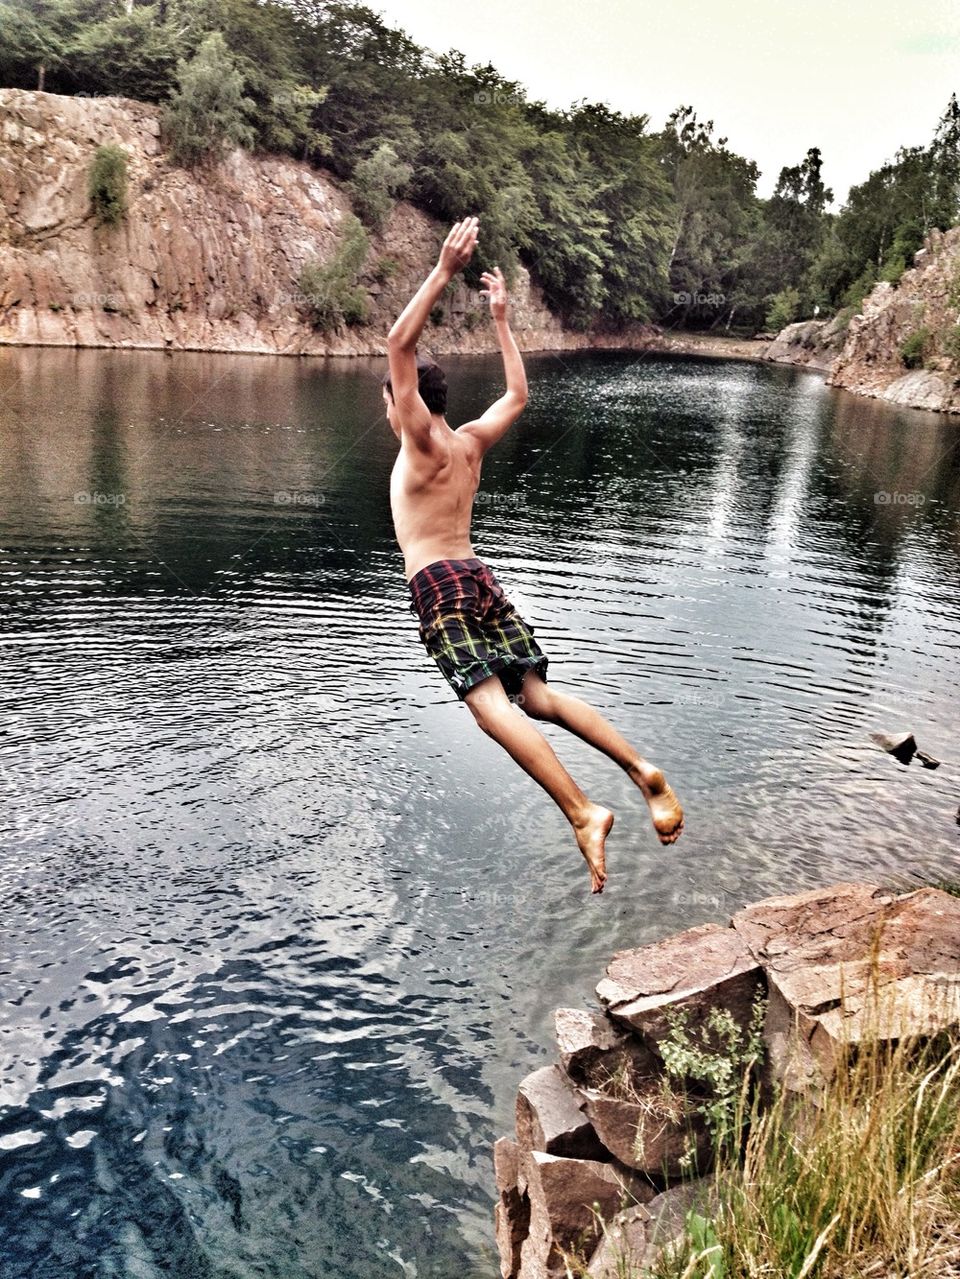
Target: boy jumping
[478, 639]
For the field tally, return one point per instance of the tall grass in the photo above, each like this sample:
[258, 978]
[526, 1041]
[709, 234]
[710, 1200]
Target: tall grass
[866, 1182]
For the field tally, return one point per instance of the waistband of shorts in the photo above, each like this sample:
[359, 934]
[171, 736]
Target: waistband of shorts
[441, 570]
[427, 582]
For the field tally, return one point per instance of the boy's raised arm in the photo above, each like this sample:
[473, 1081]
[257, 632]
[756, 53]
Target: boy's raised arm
[403, 337]
[502, 413]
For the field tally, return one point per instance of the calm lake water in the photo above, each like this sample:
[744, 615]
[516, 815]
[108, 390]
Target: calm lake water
[281, 929]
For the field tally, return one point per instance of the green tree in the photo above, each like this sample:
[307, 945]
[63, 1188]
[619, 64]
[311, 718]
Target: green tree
[714, 214]
[206, 114]
[784, 309]
[126, 51]
[36, 40]
[377, 182]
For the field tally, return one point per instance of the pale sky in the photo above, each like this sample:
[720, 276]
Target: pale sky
[858, 78]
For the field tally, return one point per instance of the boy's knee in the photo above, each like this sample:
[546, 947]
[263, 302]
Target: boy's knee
[482, 710]
[540, 705]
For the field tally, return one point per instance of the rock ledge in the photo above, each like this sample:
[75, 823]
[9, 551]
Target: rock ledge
[597, 1133]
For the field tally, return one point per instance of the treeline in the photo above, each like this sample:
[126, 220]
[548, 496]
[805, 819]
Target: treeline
[617, 222]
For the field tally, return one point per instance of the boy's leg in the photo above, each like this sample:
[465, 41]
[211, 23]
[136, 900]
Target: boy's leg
[543, 702]
[498, 718]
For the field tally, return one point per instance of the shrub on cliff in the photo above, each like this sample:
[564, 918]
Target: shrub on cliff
[329, 291]
[915, 348]
[377, 181]
[107, 184]
[205, 117]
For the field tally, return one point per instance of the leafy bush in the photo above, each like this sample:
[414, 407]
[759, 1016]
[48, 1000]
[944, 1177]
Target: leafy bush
[107, 184]
[915, 348]
[376, 183]
[205, 117]
[330, 291]
[719, 1057]
[784, 308]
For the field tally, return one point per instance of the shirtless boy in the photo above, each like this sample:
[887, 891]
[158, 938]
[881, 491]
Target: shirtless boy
[480, 642]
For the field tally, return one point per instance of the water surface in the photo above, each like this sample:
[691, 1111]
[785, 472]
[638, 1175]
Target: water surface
[282, 929]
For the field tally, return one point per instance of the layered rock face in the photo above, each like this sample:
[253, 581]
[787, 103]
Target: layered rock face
[867, 358]
[207, 259]
[926, 298]
[600, 1164]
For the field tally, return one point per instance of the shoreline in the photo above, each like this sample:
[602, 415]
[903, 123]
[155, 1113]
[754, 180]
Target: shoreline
[689, 344]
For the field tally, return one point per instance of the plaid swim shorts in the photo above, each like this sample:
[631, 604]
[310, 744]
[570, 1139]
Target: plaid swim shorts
[470, 628]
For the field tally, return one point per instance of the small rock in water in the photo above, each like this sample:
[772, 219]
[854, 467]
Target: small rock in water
[903, 747]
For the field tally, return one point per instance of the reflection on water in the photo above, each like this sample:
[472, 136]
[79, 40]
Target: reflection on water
[282, 930]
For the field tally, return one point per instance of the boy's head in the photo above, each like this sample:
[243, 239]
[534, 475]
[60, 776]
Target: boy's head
[432, 384]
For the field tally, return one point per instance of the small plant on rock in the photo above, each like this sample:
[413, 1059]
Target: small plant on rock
[107, 184]
[722, 1059]
[330, 292]
[915, 348]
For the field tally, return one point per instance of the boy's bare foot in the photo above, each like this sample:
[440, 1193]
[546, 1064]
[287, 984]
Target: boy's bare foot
[591, 833]
[663, 804]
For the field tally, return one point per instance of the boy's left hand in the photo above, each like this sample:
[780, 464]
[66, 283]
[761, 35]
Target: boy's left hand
[496, 291]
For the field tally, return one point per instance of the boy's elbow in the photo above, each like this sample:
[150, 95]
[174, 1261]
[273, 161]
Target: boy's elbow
[396, 341]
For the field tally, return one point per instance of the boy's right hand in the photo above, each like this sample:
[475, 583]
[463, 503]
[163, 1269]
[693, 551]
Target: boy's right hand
[459, 245]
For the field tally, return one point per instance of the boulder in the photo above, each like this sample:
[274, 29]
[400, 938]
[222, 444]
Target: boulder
[646, 1133]
[790, 1061]
[694, 971]
[668, 1211]
[549, 1117]
[852, 961]
[815, 343]
[623, 1247]
[593, 1049]
[511, 1216]
[903, 747]
[569, 1201]
[920, 389]
[632, 1240]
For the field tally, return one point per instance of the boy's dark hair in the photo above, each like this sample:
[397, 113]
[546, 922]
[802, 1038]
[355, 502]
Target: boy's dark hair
[432, 383]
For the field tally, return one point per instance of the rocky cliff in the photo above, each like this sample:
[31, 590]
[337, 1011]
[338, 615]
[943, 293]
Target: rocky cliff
[904, 345]
[915, 322]
[204, 260]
